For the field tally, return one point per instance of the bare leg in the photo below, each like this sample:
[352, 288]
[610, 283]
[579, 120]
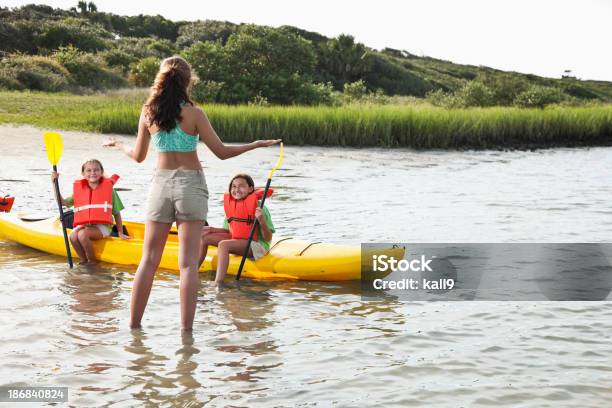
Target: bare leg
[189, 233]
[86, 235]
[225, 248]
[74, 240]
[156, 234]
[210, 239]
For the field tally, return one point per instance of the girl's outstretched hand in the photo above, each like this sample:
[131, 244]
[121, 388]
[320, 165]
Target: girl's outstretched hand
[269, 142]
[112, 142]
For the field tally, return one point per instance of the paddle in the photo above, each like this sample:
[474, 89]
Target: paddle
[53, 143]
[263, 200]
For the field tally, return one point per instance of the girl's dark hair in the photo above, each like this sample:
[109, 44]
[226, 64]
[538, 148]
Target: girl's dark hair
[245, 177]
[171, 87]
[96, 161]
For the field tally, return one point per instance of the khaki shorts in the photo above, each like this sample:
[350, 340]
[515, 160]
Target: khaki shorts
[177, 195]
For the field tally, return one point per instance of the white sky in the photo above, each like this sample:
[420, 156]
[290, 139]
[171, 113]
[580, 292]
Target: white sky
[542, 37]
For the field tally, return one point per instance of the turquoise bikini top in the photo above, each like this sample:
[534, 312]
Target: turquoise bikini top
[175, 140]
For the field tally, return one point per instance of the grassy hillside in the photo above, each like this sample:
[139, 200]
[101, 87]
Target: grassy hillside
[83, 49]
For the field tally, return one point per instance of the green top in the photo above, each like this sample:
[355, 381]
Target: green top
[267, 219]
[117, 204]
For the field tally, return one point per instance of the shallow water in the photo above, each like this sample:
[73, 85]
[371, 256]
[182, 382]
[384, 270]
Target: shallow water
[299, 343]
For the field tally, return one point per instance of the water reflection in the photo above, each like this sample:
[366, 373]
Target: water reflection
[247, 306]
[149, 371]
[94, 293]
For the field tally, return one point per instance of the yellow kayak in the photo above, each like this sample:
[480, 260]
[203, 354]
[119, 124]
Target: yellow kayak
[288, 258]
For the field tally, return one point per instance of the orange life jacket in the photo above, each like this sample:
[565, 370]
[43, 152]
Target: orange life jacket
[6, 203]
[93, 206]
[240, 214]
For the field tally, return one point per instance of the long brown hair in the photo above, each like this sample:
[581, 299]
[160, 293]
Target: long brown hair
[171, 87]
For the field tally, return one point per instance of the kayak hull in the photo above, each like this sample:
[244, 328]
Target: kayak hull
[288, 258]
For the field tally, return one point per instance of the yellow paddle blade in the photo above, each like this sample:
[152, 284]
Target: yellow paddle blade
[280, 160]
[53, 143]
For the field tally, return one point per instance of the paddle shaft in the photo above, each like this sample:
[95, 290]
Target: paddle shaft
[253, 229]
[61, 211]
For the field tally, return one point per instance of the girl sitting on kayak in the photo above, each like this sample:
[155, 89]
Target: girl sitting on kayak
[95, 204]
[242, 207]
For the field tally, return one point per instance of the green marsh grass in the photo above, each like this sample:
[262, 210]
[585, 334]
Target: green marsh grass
[419, 126]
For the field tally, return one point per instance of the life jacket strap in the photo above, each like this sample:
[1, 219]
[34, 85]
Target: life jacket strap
[105, 206]
[249, 220]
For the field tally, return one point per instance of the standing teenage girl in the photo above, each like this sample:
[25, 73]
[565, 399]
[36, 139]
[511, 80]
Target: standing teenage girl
[171, 121]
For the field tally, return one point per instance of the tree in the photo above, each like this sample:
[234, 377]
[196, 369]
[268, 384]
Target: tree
[208, 60]
[209, 30]
[257, 62]
[344, 61]
[84, 35]
[82, 6]
[273, 63]
[92, 7]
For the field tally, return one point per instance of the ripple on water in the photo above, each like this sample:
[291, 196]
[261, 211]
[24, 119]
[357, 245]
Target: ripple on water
[272, 342]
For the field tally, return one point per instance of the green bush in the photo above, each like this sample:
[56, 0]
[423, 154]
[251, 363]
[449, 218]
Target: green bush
[140, 48]
[537, 96]
[318, 94]
[206, 91]
[118, 59]
[355, 90]
[142, 73]
[258, 100]
[476, 94]
[88, 70]
[9, 81]
[33, 72]
[162, 48]
[377, 97]
[472, 94]
[505, 87]
[442, 99]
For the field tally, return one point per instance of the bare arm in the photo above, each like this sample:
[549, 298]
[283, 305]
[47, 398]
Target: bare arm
[119, 223]
[219, 149]
[139, 152]
[265, 230]
[55, 176]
